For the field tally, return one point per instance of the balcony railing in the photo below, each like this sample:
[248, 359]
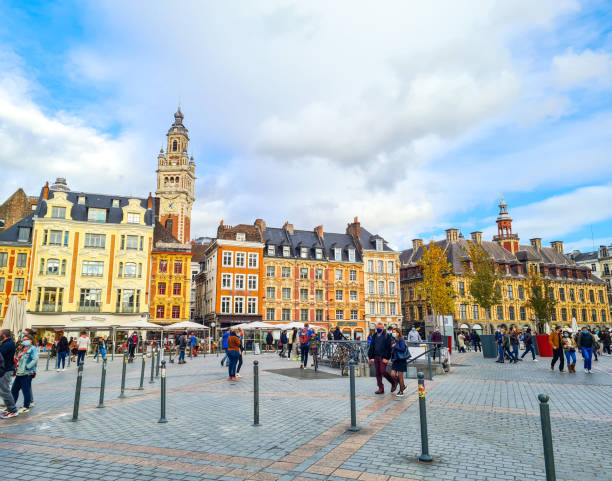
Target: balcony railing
[47, 308]
[88, 308]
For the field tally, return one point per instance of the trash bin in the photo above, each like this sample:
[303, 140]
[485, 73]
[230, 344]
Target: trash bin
[489, 347]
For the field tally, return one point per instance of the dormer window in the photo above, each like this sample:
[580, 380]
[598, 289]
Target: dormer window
[271, 251]
[319, 253]
[285, 251]
[58, 212]
[303, 252]
[24, 234]
[240, 236]
[96, 215]
[115, 203]
[379, 244]
[351, 254]
[174, 145]
[81, 199]
[337, 254]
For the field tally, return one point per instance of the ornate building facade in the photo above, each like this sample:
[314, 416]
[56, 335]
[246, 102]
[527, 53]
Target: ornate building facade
[15, 250]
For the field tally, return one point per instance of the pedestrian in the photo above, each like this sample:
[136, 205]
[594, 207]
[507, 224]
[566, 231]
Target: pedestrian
[233, 354]
[63, 349]
[569, 348]
[73, 349]
[508, 347]
[499, 340]
[338, 334]
[240, 334]
[82, 346]
[476, 343]
[596, 343]
[182, 344]
[193, 344]
[528, 340]
[380, 352]
[26, 360]
[132, 342]
[468, 340]
[586, 347]
[436, 340]
[330, 335]
[400, 357]
[269, 342]
[605, 341]
[304, 338]
[514, 343]
[554, 339]
[461, 341]
[284, 340]
[292, 338]
[414, 338]
[224, 345]
[7, 369]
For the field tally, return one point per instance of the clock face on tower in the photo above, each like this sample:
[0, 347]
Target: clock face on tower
[170, 206]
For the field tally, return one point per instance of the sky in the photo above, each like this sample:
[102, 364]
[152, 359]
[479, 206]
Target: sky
[413, 116]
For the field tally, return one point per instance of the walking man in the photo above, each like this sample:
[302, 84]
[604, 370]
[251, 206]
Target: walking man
[7, 368]
[586, 347]
[436, 339]
[132, 343]
[555, 339]
[224, 345]
[414, 338]
[475, 341]
[528, 340]
[304, 334]
[380, 352]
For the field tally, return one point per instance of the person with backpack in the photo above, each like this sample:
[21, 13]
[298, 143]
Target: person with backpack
[26, 360]
[224, 345]
[569, 348]
[528, 340]
[269, 342]
[586, 346]
[476, 343]
[282, 343]
[132, 343]
[233, 354]
[380, 352]
[7, 368]
[400, 357]
[182, 343]
[304, 338]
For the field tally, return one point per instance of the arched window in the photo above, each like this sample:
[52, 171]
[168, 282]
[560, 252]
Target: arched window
[165, 180]
[169, 224]
[174, 145]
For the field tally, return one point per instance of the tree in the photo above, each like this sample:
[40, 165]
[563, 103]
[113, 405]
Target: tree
[436, 286]
[539, 299]
[485, 286]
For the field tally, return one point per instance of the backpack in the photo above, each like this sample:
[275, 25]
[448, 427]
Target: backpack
[304, 337]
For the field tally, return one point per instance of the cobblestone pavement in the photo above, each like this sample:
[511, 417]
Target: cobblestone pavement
[483, 425]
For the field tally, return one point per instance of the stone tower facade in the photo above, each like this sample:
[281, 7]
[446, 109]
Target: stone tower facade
[504, 236]
[176, 181]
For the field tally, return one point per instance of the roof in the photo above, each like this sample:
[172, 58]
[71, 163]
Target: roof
[368, 241]
[78, 212]
[11, 235]
[198, 251]
[585, 256]
[228, 232]
[309, 240]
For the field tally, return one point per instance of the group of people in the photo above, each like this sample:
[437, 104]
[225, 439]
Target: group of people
[232, 344]
[587, 341]
[468, 341]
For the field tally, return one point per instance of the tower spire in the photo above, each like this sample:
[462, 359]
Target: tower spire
[504, 236]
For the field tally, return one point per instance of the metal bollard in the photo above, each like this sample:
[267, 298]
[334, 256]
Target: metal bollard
[354, 426]
[142, 372]
[102, 384]
[152, 367]
[425, 457]
[549, 458]
[77, 393]
[48, 359]
[162, 418]
[123, 369]
[429, 364]
[157, 363]
[255, 393]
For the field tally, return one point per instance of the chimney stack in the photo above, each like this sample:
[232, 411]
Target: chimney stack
[260, 224]
[150, 201]
[288, 227]
[558, 246]
[416, 243]
[477, 237]
[536, 243]
[452, 235]
[319, 230]
[45, 193]
[354, 228]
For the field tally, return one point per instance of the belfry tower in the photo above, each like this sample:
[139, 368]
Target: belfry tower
[176, 181]
[505, 237]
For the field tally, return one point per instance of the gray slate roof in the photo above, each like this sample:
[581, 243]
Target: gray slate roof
[368, 241]
[11, 235]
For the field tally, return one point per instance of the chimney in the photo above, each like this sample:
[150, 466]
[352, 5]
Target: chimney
[354, 229]
[261, 224]
[452, 235]
[477, 237]
[150, 201]
[416, 243]
[536, 243]
[45, 193]
[319, 230]
[558, 246]
[288, 227]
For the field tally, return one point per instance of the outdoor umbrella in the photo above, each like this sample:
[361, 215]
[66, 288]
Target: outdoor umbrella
[255, 325]
[547, 328]
[10, 319]
[185, 326]
[574, 325]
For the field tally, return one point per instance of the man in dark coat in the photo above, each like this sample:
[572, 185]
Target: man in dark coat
[380, 353]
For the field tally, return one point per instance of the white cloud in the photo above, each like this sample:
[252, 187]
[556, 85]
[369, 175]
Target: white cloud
[586, 69]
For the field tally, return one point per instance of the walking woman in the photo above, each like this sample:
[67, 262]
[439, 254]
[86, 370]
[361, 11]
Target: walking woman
[586, 347]
[400, 358]
[241, 337]
[62, 353]
[569, 348]
[26, 360]
[233, 352]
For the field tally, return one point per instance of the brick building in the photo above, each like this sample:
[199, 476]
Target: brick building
[18, 206]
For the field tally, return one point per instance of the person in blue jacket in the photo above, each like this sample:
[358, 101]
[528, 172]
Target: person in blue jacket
[26, 359]
[224, 345]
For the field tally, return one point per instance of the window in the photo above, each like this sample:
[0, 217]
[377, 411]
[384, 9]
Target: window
[593, 312]
[381, 288]
[65, 238]
[131, 242]
[226, 305]
[176, 289]
[286, 272]
[601, 294]
[594, 267]
[91, 268]
[353, 296]
[95, 240]
[318, 253]
[303, 273]
[227, 259]
[270, 292]
[1, 284]
[58, 212]
[372, 308]
[239, 305]
[381, 267]
[96, 215]
[286, 293]
[270, 314]
[176, 312]
[18, 286]
[591, 296]
[461, 288]
[561, 294]
[572, 296]
[339, 314]
[551, 292]
[303, 252]
[286, 251]
[21, 260]
[391, 288]
[351, 255]
[381, 308]
[81, 199]
[53, 267]
[55, 238]
[90, 300]
[603, 315]
[318, 294]
[161, 312]
[271, 251]
[270, 271]
[390, 267]
[251, 305]
[115, 203]
[370, 266]
[178, 267]
[240, 236]
[319, 315]
[3, 259]
[318, 274]
[371, 287]
[510, 293]
[392, 308]
[304, 315]
[521, 292]
[303, 294]
[240, 259]
[606, 271]
[130, 269]
[174, 145]
[253, 259]
[584, 315]
[462, 312]
[338, 274]
[475, 313]
[352, 275]
[339, 295]
[286, 314]
[337, 254]
[500, 313]
[581, 293]
[130, 300]
[161, 288]
[23, 234]
[563, 314]
[239, 281]
[511, 316]
[133, 218]
[523, 313]
[252, 283]
[163, 265]
[353, 315]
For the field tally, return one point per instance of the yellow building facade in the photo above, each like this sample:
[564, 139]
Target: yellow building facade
[170, 286]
